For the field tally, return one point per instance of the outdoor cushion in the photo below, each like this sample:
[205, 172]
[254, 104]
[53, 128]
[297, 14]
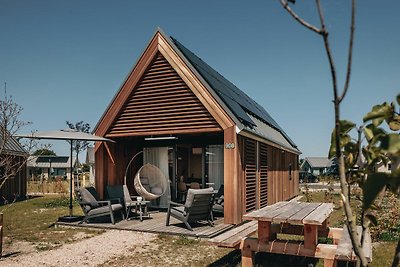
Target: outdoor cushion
[104, 209]
[178, 211]
[88, 198]
[192, 192]
[156, 190]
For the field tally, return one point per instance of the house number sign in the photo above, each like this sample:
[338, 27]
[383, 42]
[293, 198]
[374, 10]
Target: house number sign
[230, 145]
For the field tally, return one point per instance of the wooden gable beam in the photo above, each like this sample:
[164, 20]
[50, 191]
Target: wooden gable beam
[159, 44]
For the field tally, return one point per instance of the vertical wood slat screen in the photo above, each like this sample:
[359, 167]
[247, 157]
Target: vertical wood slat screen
[250, 161]
[162, 103]
[263, 173]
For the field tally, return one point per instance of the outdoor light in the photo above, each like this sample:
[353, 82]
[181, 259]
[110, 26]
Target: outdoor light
[160, 138]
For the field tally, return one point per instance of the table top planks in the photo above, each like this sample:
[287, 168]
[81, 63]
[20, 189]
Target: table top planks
[292, 212]
[319, 215]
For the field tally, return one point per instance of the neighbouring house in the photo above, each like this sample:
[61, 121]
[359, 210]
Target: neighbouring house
[387, 168]
[316, 165]
[196, 126]
[12, 169]
[90, 161]
[43, 167]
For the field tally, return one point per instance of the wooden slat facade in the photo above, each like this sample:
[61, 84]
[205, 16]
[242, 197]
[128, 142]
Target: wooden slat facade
[270, 174]
[250, 172]
[162, 103]
[263, 173]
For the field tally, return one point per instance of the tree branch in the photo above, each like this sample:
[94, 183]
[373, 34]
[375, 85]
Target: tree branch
[350, 53]
[297, 18]
[328, 51]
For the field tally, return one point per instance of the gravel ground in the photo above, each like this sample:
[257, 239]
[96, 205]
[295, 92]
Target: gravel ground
[88, 252]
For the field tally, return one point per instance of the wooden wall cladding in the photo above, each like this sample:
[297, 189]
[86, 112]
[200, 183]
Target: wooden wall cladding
[161, 103]
[15, 186]
[267, 176]
[282, 184]
[263, 174]
[250, 173]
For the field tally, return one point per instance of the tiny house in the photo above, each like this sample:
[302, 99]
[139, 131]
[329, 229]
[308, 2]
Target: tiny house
[197, 127]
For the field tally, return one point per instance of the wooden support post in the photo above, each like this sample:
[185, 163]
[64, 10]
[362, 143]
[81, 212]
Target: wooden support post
[247, 253]
[264, 231]
[310, 236]
[330, 263]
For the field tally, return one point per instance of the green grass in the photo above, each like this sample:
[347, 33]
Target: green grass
[33, 221]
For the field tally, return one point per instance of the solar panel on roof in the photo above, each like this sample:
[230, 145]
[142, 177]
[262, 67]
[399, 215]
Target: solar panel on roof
[237, 101]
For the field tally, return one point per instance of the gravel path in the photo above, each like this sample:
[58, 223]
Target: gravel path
[88, 252]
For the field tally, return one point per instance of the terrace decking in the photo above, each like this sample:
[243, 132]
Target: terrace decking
[156, 224]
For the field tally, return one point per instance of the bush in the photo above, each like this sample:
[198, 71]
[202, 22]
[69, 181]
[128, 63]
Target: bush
[388, 218]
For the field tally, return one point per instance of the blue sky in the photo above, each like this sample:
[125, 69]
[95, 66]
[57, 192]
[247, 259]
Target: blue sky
[65, 60]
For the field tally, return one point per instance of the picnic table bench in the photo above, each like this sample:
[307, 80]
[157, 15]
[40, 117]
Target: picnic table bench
[308, 220]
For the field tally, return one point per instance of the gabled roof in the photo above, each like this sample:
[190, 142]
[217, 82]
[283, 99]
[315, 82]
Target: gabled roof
[12, 146]
[247, 114]
[318, 162]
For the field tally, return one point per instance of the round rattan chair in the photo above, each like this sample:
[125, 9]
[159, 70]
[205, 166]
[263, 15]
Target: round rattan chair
[150, 182]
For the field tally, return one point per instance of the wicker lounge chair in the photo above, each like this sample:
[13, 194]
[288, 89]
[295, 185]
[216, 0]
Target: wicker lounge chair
[197, 207]
[93, 207]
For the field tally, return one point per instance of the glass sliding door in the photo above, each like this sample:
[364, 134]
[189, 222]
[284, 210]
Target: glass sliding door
[214, 165]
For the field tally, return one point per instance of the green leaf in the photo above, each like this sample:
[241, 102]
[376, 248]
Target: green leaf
[394, 124]
[378, 114]
[369, 134]
[346, 126]
[372, 186]
[390, 143]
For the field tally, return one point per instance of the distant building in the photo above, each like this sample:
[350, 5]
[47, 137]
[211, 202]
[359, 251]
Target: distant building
[316, 165]
[43, 166]
[387, 168]
[90, 160]
[13, 155]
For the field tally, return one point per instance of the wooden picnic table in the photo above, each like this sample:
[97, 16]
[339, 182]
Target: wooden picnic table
[309, 220]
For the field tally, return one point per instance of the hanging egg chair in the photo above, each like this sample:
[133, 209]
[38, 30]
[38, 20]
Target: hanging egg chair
[150, 182]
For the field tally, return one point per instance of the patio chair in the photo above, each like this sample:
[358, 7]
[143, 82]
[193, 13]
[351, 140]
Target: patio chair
[218, 206]
[93, 207]
[182, 191]
[197, 207]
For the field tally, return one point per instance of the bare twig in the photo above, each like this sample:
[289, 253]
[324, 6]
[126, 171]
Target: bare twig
[350, 53]
[328, 52]
[297, 18]
[350, 220]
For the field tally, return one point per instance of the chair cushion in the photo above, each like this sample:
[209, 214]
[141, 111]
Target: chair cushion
[87, 197]
[104, 209]
[192, 192]
[156, 190]
[179, 211]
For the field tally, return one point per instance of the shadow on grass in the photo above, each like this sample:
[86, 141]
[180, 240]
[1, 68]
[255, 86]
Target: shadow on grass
[262, 259]
[233, 258]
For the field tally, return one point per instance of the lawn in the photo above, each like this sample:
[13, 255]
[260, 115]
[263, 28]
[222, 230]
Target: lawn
[32, 221]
